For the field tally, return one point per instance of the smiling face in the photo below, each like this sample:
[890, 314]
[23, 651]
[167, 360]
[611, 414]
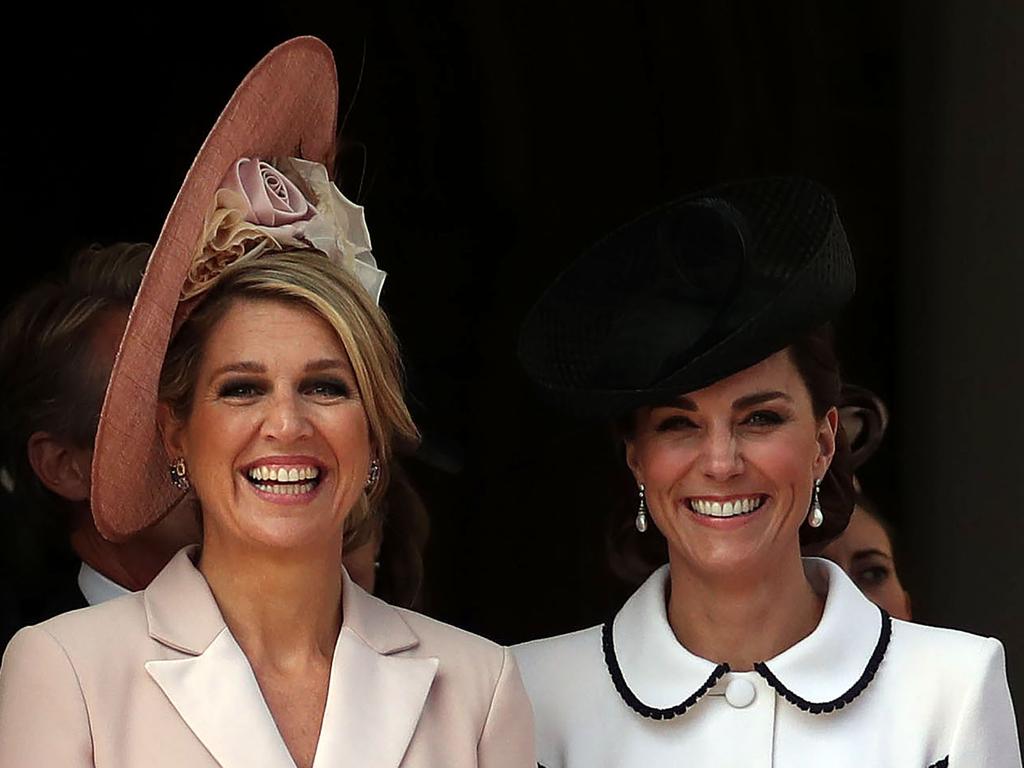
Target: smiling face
[276, 442]
[729, 469]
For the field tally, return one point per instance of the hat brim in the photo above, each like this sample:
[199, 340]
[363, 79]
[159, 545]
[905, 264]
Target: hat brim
[286, 106]
[657, 310]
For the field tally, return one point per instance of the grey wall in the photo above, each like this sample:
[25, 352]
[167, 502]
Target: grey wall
[960, 428]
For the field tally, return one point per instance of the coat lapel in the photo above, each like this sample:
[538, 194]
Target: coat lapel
[374, 701]
[376, 696]
[218, 697]
[213, 688]
[373, 705]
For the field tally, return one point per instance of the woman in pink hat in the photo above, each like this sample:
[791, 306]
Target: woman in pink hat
[257, 373]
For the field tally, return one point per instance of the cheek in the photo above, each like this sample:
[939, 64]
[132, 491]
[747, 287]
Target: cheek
[349, 436]
[214, 441]
[786, 461]
[663, 462]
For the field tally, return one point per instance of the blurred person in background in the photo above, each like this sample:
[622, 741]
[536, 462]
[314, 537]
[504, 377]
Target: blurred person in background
[57, 346]
[865, 550]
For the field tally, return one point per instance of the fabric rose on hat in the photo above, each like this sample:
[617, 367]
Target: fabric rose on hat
[292, 203]
[270, 198]
[256, 208]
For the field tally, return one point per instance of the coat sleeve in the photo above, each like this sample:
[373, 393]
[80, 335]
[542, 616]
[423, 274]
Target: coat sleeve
[507, 737]
[43, 716]
[986, 733]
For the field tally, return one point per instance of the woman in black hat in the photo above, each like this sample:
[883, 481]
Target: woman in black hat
[700, 330]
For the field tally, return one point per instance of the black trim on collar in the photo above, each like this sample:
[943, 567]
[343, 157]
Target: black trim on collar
[824, 707]
[943, 763]
[815, 708]
[653, 713]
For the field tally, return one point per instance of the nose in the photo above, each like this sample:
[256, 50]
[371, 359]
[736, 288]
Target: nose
[721, 456]
[286, 419]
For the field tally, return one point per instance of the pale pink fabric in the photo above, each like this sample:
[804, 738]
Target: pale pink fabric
[155, 680]
[272, 199]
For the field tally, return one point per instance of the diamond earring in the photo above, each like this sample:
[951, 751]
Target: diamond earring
[816, 516]
[179, 474]
[641, 512]
[373, 475]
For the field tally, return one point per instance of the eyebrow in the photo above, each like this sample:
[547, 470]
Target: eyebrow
[327, 364]
[747, 401]
[244, 366]
[250, 366]
[864, 553]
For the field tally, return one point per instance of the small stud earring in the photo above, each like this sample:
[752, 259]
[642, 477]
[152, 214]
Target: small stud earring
[179, 474]
[641, 512]
[816, 516]
[373, 475]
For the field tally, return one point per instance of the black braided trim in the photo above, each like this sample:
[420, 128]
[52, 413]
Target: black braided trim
[630, 698]
[943, 763]
[824, 707]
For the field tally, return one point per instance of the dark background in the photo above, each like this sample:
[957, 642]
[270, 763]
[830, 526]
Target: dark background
[491, 141]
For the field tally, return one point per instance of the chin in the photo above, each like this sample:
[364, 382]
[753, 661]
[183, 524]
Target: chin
[719, 554]
[293, 532]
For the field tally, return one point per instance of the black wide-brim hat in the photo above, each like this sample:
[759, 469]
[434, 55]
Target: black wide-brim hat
[689, 294]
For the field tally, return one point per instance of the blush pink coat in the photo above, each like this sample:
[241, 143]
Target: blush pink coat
[156, 679]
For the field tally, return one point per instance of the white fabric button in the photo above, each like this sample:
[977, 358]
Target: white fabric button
[740, 693]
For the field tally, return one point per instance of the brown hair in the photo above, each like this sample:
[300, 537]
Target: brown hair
[310, 280]
[814, 356]
[404, 530]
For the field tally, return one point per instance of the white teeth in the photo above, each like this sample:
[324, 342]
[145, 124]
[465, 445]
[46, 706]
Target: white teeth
[286, 490]
[283, 475]
[725, 509]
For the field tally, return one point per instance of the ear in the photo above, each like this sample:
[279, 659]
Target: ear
[172, 431]
[633, 459]
[60, 466]
[827, 430]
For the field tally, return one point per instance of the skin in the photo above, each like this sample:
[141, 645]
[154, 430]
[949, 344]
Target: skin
[275, 383]
[738, 590]
[864, 551]
[65, 469]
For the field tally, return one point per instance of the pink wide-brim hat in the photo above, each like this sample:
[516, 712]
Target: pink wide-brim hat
[287, 106]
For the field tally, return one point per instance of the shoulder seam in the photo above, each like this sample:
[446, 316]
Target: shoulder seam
[494, 694]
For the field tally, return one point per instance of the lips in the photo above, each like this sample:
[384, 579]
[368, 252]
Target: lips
[285, 476]
[735, 506]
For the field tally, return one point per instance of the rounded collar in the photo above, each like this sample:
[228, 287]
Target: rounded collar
[823, 672]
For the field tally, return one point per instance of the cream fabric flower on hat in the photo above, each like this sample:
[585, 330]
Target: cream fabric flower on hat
[292, 203]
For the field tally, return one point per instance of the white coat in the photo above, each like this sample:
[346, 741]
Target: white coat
[861, 690]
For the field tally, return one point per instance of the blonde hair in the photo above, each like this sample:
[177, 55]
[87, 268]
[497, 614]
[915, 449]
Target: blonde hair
[308, 279]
